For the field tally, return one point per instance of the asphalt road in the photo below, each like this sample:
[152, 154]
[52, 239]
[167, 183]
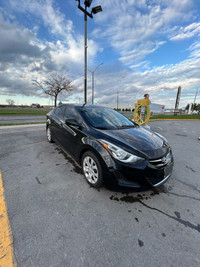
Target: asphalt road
[58, 220]
[21, 119]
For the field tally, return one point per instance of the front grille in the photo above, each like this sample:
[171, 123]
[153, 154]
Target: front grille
[159, 170]
[161, 162]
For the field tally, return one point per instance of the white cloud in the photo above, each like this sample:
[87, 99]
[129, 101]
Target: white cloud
[68, 49]
[134, 28]
[195, 50]
[45, 9]
[23, 57]
[138, 28]
[187, 32]
[160, 82]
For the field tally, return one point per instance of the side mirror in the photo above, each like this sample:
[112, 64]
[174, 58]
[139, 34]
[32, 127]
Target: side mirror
[72, 122]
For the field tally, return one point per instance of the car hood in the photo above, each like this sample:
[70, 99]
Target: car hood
[137, 140]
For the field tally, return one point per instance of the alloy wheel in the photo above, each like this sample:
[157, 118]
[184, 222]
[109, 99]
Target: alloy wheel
[90, 170]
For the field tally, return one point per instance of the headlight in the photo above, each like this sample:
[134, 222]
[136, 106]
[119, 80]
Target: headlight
[119, 153]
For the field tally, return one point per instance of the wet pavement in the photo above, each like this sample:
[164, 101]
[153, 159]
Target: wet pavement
[57, 219]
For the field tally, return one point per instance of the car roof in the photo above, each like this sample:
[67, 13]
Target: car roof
[82, 106]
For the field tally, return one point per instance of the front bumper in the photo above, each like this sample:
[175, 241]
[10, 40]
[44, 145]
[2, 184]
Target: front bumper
[150, 175]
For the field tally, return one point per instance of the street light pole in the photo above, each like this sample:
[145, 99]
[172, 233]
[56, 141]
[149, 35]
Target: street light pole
[93, 81]
[85, 58]
[95, 10]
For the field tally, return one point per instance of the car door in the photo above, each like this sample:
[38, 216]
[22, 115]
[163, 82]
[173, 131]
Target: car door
[57, 123]
[71, 134]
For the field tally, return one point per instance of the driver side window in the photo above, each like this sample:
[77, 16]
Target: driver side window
[71, 113]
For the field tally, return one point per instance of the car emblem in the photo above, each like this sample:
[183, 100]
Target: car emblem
[164, 159]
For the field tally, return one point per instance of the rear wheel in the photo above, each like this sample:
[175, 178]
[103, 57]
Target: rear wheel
[92, 169]
[48, 133]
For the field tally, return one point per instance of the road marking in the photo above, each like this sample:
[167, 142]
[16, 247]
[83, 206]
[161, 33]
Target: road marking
[6, 249]
[21, 131]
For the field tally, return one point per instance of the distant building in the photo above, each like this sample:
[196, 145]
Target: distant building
[156, 108]
[172, 111]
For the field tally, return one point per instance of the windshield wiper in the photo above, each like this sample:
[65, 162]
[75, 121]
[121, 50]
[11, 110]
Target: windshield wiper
[106, 128]
[126, 126]
[101, 128]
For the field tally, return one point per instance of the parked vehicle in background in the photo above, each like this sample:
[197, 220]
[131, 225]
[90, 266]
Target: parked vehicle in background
[109, 147]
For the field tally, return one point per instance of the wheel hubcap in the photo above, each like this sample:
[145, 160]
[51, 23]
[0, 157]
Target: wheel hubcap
[90, 170]
[49, 134]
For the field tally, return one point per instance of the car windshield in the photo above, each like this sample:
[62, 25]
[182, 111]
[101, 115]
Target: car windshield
[105, 118]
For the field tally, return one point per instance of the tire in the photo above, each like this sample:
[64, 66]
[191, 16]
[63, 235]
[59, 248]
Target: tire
[92, 169]
[48, 133]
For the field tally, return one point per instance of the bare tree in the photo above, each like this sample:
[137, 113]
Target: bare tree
[55, 85]
[10, 102]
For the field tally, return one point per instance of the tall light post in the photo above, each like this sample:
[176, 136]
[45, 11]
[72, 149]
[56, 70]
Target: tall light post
[93, 81]
[95, 10]
[195, 98]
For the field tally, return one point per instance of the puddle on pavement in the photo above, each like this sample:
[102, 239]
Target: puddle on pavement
[130, 198]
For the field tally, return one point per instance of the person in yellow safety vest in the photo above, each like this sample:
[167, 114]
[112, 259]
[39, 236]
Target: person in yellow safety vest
[146, 96]
[142, 112]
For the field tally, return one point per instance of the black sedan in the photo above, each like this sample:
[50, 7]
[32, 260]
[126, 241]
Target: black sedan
[109, 147]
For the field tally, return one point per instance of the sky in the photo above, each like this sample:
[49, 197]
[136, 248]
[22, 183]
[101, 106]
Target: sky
[146, 46]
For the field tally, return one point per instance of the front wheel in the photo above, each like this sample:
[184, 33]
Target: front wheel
[92, 169]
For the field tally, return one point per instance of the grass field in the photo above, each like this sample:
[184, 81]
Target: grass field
[176, 117]
[44, 111]
[23, 111]
[25, 123]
